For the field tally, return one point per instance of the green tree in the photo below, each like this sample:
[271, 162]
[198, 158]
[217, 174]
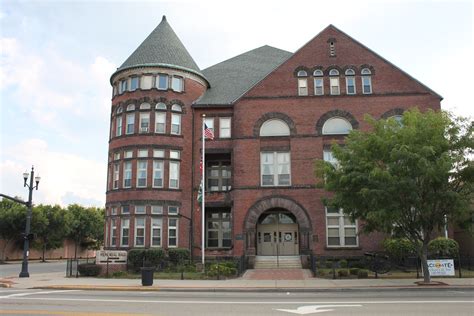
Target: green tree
[404, 177]
[54, 232]
[86, 225]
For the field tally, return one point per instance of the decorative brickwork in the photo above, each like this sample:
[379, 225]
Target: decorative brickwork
[392, 112]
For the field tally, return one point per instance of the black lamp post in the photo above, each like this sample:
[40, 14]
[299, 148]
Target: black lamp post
[26, 249]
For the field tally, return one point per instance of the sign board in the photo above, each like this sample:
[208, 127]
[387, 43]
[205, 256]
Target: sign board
[441, 267]
[112, 256]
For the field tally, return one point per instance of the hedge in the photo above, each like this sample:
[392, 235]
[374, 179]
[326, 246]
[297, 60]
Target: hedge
[89, 269]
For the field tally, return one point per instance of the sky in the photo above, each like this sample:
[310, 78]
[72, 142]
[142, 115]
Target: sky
[56, 58]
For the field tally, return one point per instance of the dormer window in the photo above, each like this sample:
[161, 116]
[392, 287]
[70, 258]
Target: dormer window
[162, 82]
[350, 81]
[366, 81]
[318, 82]
[177, 84]
[302, 82]
[334, 81]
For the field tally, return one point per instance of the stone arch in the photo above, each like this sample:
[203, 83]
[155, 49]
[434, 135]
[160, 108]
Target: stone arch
[335, 113]
[274, 115]
[392, 112]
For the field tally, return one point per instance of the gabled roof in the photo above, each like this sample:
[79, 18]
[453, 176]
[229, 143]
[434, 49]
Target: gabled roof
[232, 78]
[161, 48]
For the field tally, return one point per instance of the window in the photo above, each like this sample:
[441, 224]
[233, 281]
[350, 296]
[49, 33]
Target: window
[176, 124]
[113, 232]
[141, 173]
[302, 82]
[218, 229]
[209, 121]
[162, 82]
[146, 82]
[275, 168]
[174, 175]
[334, 82]
[142, 153]
[366, 81]
[119, 110]
[113, 210]
[158, 153]
[173, 210]
[144, 122]
[130, 123]
[116, 176]
[116, 156]
[176, 108]
[125, 226]
[118, 126]
[139, 231]
[341, 231]
[318, 82]
[133, 83]
[218, 175]
[329, 157]
[157, 174]
[145, 106]
[160, 106]
[160, 122]
[177, 84]
[174, 154]
[128, 154]
[130, 107]
[125, 209]
[274, 128]
[172, 232]
[350, 81]
[157, 209]
[123, 86]
[140, 209]
[224, 127]
[127, 174]
[336, 126]
[155, 232]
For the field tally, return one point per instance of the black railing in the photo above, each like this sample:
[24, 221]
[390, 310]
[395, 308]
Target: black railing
[72, 266]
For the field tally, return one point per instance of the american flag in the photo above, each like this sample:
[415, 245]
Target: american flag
[208, 133]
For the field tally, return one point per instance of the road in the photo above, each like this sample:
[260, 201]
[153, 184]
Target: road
[13, 269]
[80, 302]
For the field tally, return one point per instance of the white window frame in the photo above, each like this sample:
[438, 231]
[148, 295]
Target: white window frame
[275, 167]
[174, 167]
[369, 78]
[157, 209]
[127, 174]
[351, 78]
[144, 122]
[116, 177]
[123, 86]
[160, 122]
[140, 209]
[124, 221]
[329, 157]
[334, 84]
[142, 153]
[137, 80]
[177, 84]
[225, 125]
[128, 154]
[175, 154]
[209, 121]
[146, 82]
[166, 81]
[303, 86]
[122, 209]
[113, 232]
[175, 228]
[130, 127]
[118, 126]
[319, 83]
[156, 224]
[142, 173]
[158, 167]
[175, 123]
[137, 227]
[274, 127]
[341, 229]
[326, 132]
[175, 210]
[158, 153]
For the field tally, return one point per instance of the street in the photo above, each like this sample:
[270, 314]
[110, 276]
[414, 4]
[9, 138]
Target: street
[81, 302]
[34, 267]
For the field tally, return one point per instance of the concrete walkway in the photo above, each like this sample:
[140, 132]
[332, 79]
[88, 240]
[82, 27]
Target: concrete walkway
[58, 281]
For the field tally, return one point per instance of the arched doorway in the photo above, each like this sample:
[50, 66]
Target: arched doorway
[277, 233]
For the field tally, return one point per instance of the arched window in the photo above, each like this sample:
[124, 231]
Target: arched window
[119, 110]
[131, 107]
[350, 81]
[145, 106]
[398, 118]
[160, 106]
[302, 82]
[274, 127]
[366, 81]
[318, 82]
[336, 126]
[334, 81]
[176, 108]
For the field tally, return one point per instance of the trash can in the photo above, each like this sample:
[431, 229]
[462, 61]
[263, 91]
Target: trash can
[147, 276]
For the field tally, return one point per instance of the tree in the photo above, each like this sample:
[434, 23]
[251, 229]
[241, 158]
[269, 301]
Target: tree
[53, 234]
[404, 178]
[86, 225]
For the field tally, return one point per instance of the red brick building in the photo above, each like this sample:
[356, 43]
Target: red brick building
[272, 113]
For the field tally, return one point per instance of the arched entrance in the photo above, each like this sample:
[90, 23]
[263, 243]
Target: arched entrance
[277, 233]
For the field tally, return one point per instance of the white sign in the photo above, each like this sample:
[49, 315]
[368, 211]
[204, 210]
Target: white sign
[112, 256]
[441, 267]
[313, 309]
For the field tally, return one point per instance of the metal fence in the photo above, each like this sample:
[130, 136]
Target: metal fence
[72, 266]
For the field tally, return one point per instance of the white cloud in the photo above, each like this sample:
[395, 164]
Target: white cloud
[62, 174]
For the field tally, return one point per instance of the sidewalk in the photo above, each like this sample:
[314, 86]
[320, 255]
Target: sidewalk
[58, 281]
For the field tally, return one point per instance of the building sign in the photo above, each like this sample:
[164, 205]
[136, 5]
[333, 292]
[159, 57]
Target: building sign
[441, 267]
[111, 256]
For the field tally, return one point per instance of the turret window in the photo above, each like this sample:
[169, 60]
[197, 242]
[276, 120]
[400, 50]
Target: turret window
[144, 122]
[133, 83]
[176, 124]
[162, 82]
[130, 123]
[123, 86]
[146, 82]
[177, 84]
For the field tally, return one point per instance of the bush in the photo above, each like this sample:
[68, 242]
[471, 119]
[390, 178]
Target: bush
[178, 255]
[222, 268]
[343, 273]
[119, 274]
[343, 263]
[135, 259]
[354, 271]
[399, 248]
[89, 269]
[443, 247]
[329, 264]
[363, 274]
[154, 257]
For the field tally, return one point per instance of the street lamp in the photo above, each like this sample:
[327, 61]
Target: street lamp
[26, 248]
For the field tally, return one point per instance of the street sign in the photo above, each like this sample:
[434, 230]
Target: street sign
[441, 267]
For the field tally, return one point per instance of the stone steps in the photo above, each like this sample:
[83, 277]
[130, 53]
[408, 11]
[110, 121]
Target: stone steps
[280, 262]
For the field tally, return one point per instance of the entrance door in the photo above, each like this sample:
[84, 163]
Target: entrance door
[277, 234]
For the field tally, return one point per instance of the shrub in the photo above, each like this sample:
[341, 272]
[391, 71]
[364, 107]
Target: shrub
[399, 248]
[119, 274]
[329, 264]
[135, 258]
[443, 247]
[343, 273]
[363, 274]
[222, 268]
[358, 264]
[153, 257]
[354, 271]
[178, 255]
[343, 263]
[89, 269]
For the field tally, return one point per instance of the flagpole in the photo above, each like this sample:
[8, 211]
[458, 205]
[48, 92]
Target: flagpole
[203, 242]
